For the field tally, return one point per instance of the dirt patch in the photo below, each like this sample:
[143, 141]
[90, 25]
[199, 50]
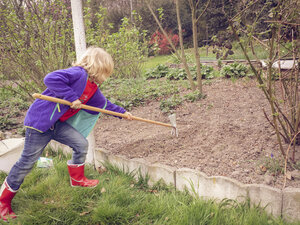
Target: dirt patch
[224, 134]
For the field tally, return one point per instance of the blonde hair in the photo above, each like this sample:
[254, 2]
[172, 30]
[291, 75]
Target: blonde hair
[97, 62]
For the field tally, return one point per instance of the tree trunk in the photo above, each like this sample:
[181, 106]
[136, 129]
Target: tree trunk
[196, 51]
[183, 58]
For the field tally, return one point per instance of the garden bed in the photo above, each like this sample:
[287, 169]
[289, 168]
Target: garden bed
[224, 134]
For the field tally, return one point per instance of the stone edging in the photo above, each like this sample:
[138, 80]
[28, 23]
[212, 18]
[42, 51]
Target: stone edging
[10, 151]
[285, 203]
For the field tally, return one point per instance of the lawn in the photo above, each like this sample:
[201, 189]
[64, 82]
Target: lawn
[46, 197]
[205, 54]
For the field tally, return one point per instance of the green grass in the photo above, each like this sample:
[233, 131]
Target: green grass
[152, 62]
[261, 52]
[46, 197]
[163, 59]
[204, 54]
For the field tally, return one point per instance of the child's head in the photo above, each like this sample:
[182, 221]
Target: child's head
[98, 64]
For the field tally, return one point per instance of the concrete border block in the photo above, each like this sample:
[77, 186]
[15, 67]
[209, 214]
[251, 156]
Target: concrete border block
[10, 152]
[265, 196]
[119, 162]
[291, 204]
[138, 167]
[101, 156]
[217, 187]
[166, 173]
[221, 187]
[192, 180]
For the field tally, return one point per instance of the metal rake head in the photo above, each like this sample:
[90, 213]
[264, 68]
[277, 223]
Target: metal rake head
[174, 130]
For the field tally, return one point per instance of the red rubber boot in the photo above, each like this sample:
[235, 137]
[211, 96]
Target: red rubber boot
[77, 177]
[6, 195]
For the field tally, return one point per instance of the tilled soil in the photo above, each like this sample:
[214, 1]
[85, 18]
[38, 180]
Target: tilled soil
[224, 134]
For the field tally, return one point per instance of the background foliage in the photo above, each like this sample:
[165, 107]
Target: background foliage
[36, 37]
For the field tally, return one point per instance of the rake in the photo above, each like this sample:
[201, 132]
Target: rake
[172, 117]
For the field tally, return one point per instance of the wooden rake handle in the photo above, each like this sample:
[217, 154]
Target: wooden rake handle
[64, 102]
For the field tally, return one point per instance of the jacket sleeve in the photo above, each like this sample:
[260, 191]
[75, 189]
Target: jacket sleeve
[113, 107]
[58, 82]
[99, 100]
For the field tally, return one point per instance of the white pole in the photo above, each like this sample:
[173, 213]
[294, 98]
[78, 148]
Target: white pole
[80, 47]
[78, 27]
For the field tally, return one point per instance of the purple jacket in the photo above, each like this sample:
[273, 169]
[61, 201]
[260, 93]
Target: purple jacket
[67, 84]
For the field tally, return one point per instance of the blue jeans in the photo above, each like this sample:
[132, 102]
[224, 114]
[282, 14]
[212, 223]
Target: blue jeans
[35, 142]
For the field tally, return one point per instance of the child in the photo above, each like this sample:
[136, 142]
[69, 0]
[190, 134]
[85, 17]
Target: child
[46, 120]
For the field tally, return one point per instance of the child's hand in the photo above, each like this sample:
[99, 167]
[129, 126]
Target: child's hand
[129, 116]
[76, 104]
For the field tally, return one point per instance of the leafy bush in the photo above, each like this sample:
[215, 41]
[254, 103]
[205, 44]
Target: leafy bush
[10, 108]
[194, 96]
[7, 123]
[36, 38]
[160, 40]
[130, 93]
[128, 46]
[178, 73]
[170, 104]
[207, 72]
[159, 71]
[234, 70]
[128, 49]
